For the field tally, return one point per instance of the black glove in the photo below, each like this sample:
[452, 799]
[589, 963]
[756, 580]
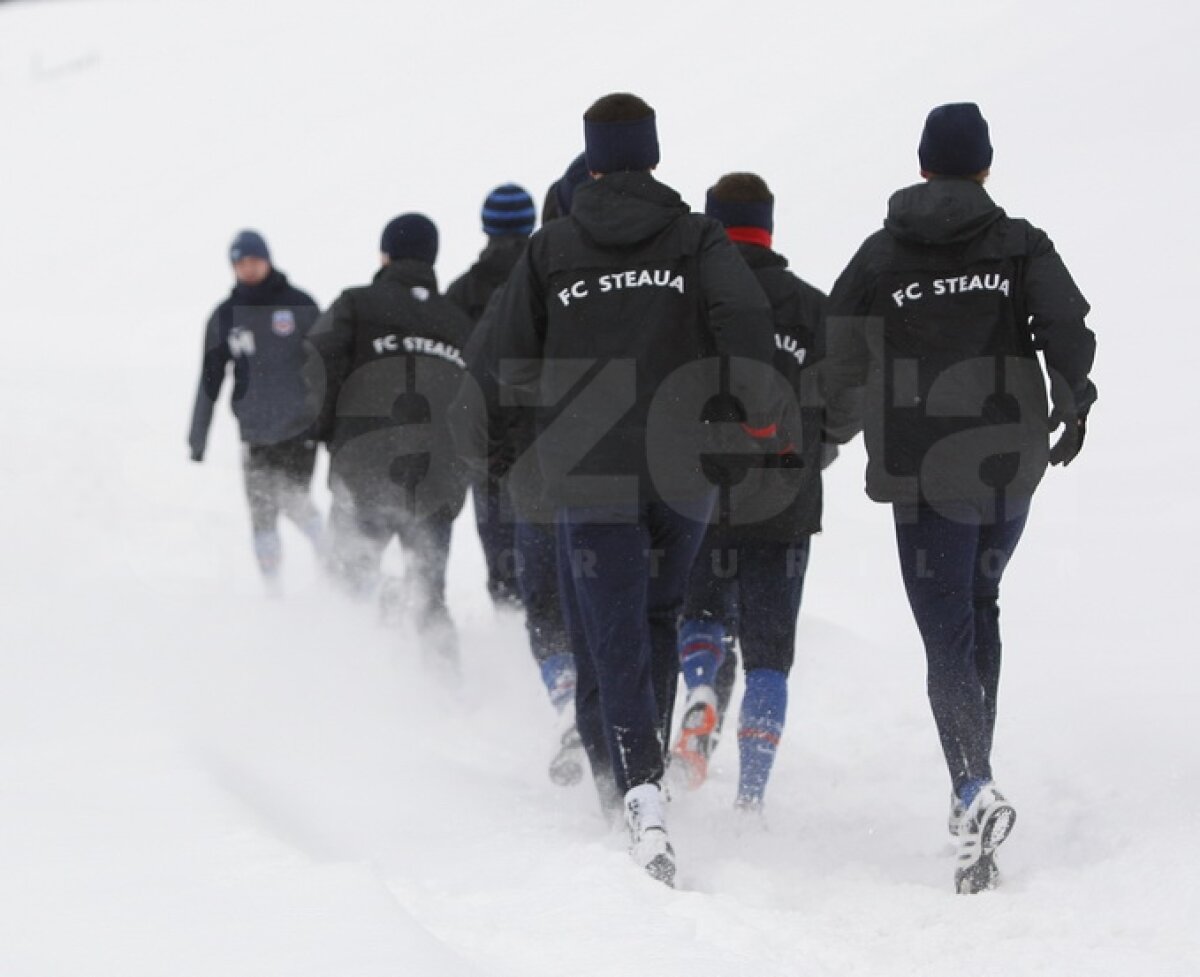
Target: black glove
[197, 454]
[500, 459]
[782, 455]
[1070, 442]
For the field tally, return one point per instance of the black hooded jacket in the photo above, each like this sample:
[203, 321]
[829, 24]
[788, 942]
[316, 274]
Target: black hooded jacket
[792, 493]
[492, 428]
[392, 355]
[938, 318]
[471, 290]
[611, 325]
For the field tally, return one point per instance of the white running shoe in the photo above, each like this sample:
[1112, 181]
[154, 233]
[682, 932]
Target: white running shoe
[566, 766]
[986, 823]
[957, 812]
[649, 846]
[697, 735]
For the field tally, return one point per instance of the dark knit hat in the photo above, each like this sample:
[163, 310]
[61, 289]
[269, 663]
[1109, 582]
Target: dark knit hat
[410, 236]
[741, 200]
[248, 244]
[628, 144]
[508, 210]
[575, 177]
[955, 141]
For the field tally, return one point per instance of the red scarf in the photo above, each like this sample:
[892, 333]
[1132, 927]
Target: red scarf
[750, 235]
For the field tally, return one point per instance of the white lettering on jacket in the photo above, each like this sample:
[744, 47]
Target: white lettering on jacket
[423, 345]
[953, 286]
[620, 280]
[789, 344]
[240, 342]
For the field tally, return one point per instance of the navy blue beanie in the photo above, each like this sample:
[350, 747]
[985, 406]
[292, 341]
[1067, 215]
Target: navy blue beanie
[955, 141]
[410, 236]
[741, 213]
[508, 210]
[248, 244]
[612, 147]
[575, 177]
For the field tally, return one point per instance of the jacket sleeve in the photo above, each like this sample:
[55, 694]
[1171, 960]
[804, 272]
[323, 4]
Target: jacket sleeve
[812, 304]
[312, 370]
[550, 209]
[739, 319]
[519, 334]
[212, 375]
[473, 412]
[1056, 310]
[843, 370]
[458, 293]
[332, 337]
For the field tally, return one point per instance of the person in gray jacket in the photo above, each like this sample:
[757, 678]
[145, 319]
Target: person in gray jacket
[262, 329]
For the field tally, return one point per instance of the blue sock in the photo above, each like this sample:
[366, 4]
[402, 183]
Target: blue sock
[760, 726]
[268, 551]
[701, 648]
[558, 674]
[970, 790]
[314, 529]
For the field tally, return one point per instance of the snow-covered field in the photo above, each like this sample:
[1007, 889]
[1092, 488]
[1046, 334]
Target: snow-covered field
[196, 781]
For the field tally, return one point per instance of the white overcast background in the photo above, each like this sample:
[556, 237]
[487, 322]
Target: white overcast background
[196, 781]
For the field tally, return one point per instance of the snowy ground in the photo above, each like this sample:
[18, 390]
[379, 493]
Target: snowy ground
[194, 781]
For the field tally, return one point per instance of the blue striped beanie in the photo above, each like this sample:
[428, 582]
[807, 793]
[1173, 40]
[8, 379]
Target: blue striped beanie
[508, 210]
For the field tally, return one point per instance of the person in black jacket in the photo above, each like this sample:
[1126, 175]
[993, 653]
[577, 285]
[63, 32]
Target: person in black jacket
[262, 329]
[749, 576]
[392, 352]
[934, 330]
[510, 432]
[557, 202]
[613, 322]
[508, 218]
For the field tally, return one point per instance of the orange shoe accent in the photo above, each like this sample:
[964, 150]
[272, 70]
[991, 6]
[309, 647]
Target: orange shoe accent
[697, 725]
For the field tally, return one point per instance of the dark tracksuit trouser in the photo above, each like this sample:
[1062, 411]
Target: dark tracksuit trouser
[588, 721]
[537, 576]
[952, 560]
[626, 569]
[278, 478]
[753, 586]
[496, 522]
[360, 534]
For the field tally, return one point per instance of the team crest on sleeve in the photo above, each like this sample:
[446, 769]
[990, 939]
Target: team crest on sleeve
[283, 322]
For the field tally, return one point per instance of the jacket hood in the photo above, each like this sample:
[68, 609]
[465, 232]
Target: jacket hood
[941, 211]
[408, 271]
[624, 209]
[500, 256]
[756, 256]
